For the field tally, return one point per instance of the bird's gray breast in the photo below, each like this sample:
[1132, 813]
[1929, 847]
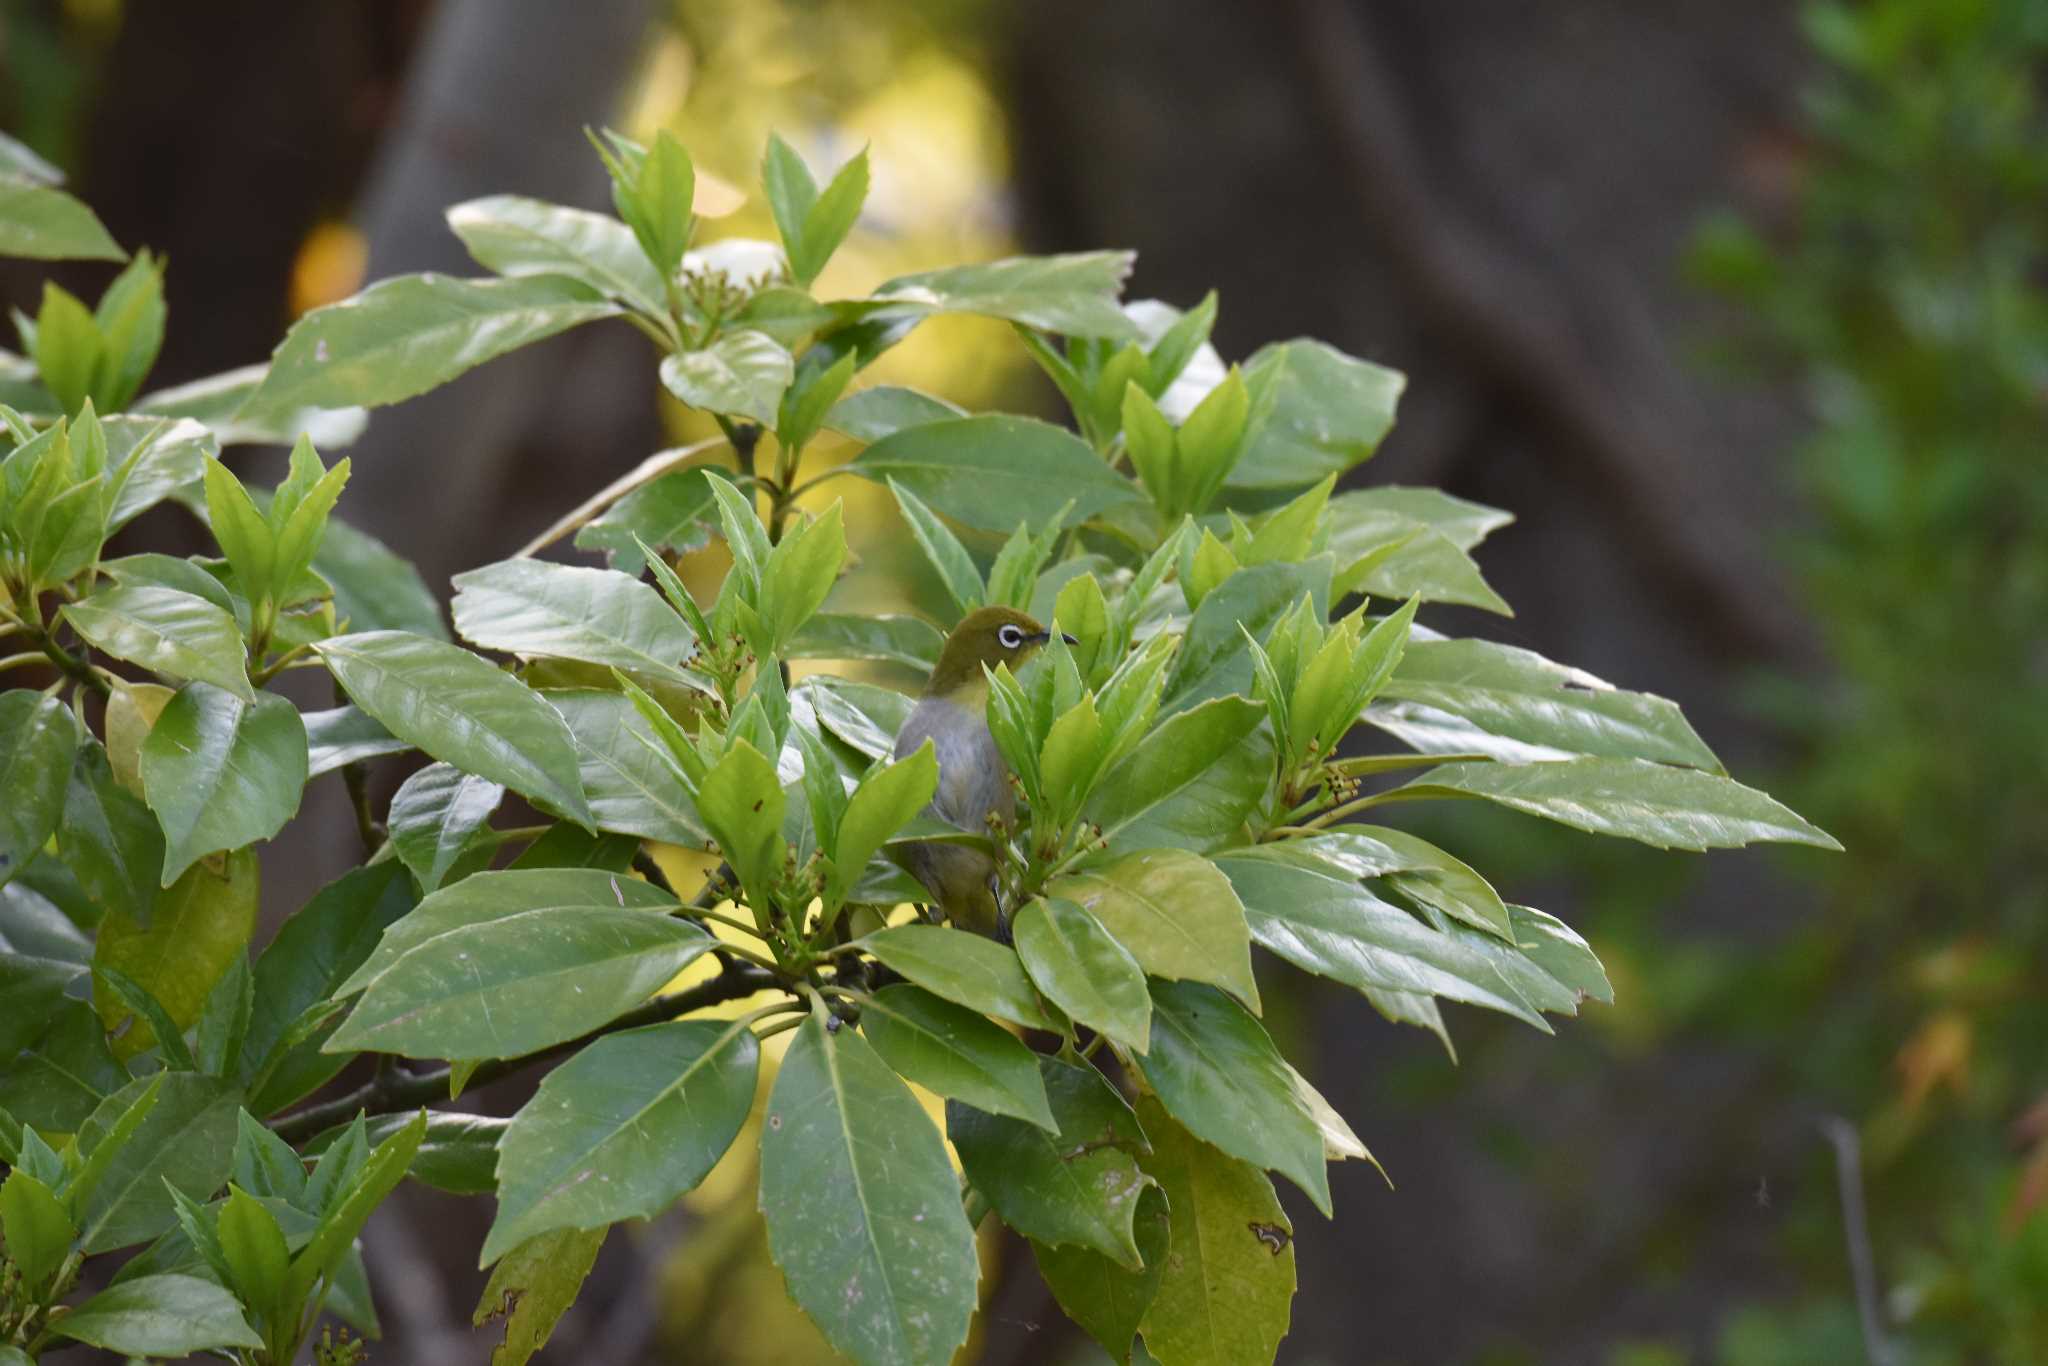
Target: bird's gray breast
[973, 779]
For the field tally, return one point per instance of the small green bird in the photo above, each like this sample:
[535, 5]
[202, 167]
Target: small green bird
[974, 781]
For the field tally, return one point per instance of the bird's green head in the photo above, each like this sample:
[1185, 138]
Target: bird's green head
[988, 636]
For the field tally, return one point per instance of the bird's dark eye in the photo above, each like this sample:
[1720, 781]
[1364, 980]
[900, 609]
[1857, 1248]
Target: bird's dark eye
[1010, 637]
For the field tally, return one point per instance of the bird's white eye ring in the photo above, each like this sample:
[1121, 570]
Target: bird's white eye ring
[1009, 637]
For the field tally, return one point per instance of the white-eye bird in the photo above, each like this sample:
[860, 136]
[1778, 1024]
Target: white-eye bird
[974, 780]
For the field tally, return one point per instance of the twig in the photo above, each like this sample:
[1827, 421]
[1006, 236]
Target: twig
[392, 1091]
[646, 472]
[1523, 339]
[73, 668]
[1856, 1231]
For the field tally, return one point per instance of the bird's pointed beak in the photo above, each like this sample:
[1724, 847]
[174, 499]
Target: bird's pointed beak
[1042, 637]
[1071, 640]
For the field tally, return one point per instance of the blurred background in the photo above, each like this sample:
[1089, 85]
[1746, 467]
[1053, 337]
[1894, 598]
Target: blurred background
[1741, 308]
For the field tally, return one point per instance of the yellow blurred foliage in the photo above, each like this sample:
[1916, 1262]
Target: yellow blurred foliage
[329, 266]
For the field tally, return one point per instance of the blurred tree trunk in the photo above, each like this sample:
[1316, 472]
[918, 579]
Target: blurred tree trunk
[1491, 196]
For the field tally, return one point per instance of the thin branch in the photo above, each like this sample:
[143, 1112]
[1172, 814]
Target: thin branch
[646, 472]
[1856, 1231]
[392, 1091]
[1500, 317]
[70, 665]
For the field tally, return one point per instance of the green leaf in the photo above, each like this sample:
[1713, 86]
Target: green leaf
[674, 512]
[799, 573]
[265, 1164]
[406, 335]
[457, 1153]
[994, 471]
[1084, 971]
[351, 1209]
[159, 1316]
[130, 316]
[37, 1229]
[1216, 1069]
[664, 187]
[600, 616]
[1326, 922]
[224, 1023]
[1464, 523]
[1072, 1181]
[741, 801]
[532, 1287]
[1664, 807]
[200, 925]
[1175, 913]
[211, 404]
[37, 739]
[622, 1129]
[1191, 783]
[185, 1139]
[1393, 556]
[863, 715]
[1229, 1265]
[742, 374]
[167, 632]
[886, 409]
[109, 839]
[879, 807]
[150, 459]
[253, 1246]
[1105, 1299]
[957, 572]
[889, 639]
[955, 1052]
[862, 1206]
[964, 968]
[1073, 294]
[46, 224]
[830, 218]
[64, 1072]
[434, 815]
[1215, 659]
[1522, 697]
[168, 1037]
[502, 964]
[374, 588]
[341, 736]
[631, 787]
[1324, 412]
[312, 955]
[221, 773]
[464, 712]
[791, 191]
[1415, 867]
[514, 235]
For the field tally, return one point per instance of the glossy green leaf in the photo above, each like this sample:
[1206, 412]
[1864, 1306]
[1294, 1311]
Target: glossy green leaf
[375, 589]
[1416, 868]
[862, 1207]
[1105, 1299]
[631, 787]
[166, 632]
[224, 1022]
[799, 573]
[1661, 806]
[340, 736]
[622, 1129]
[1229, 1266]
[886, 409]
[502, 964]
[514, 235]
[1084, 971]
[1074, 1181]
[165, 1315]
[879, 807]
[995, 471]
[458, 1153]
[464, 712]
[344, 1216]
[1175, 913]
[406, 335]
[601, 616]
[435, 814]
[1215, 658]
[1328, 923]
[741, 374]
[1463, 522]
[186, 1139]
[1521, 696]
[46, 224]
[890, 639]
[1390, 555]
[221, 773]
[130, 315]
[108, 838]
[957, 571]
[62, 1073]
[741, 802]
[212, 403]
[964, 968]
[1191, 783]
[150, 459]
[674, 512]
[1217, 1071]
[1324, 412]
[863, 715]
[955, 1052]
[253, 1247]
[532, 1287]
[37, 1229]
[37, 739]
[1073, 294]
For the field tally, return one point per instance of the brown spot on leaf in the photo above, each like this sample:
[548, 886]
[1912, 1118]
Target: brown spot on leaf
[1273, 1236]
